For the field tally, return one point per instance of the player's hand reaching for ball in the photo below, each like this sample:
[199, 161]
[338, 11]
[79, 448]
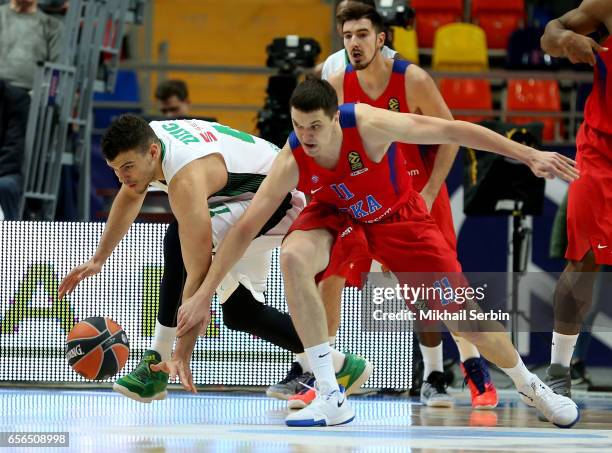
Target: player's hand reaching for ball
[193, 311]
[550, 165]
[74, 277]
[177, 367]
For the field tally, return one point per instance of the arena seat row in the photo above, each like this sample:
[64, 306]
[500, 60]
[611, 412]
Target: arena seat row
[521, 95]
[498, 18]
[463, 47]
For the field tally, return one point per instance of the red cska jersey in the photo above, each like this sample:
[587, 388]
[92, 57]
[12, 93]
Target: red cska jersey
[366, 190]
[394, 96]
[598, 108]
[420, 159]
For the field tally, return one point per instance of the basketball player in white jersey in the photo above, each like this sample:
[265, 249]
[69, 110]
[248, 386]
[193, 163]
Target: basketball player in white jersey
[210, 172]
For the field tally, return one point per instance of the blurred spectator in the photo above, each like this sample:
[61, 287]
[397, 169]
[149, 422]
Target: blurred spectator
[14, 106]
[55, 8]
[173, 98]
[27, 36]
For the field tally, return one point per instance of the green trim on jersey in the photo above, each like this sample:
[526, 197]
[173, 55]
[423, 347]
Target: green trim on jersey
[163, 151]
[239, 183]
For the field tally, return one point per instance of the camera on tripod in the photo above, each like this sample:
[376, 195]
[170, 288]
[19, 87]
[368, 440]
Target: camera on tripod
[290, 55]
[395, 13]
[292, 52]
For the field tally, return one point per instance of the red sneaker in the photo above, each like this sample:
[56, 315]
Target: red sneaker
[302, 399]
[478, 379]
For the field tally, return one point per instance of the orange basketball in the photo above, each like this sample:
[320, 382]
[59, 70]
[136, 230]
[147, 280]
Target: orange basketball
[97, 348]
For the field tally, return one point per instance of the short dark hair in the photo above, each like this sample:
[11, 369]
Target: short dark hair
[356, 11]
[314, 94]
[169, 88]
[128, 132]
[371, 3]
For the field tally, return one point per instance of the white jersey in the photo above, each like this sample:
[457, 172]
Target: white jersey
[248, 159]
[339, 60]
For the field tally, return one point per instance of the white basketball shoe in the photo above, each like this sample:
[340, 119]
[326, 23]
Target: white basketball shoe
[559, 410]
[329, 408]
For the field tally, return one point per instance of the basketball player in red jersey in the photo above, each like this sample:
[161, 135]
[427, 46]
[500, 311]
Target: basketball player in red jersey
[403, 87]
[369, 213]
[589, 209]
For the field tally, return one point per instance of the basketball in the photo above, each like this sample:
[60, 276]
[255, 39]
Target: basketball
[97, 348]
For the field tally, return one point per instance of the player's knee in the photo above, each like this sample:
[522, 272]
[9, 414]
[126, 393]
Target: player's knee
[238, 310]
[232, 316]
[295, 261]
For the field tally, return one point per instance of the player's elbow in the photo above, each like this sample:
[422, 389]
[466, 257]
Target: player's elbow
[453, 131]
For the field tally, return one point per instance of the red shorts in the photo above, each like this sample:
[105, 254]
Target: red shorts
[420, 169]
[589, 203]
[409, 241]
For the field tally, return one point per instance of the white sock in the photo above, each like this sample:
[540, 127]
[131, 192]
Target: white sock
[320, 358]
[163, 340]
[466, 349]
[303, 361]
[338, 360]
[519, 374]
[562, 348]
[332, 341]
[432, 359]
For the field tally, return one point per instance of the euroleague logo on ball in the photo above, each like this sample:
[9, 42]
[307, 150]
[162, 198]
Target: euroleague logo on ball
[97, 348]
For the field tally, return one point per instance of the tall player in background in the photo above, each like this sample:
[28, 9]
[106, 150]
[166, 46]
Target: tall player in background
[589, 209]
[400, 86]
[359, 214]
[211, 173]
[338, 60]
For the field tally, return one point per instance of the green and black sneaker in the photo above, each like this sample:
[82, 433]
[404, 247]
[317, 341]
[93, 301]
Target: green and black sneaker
[144, 384]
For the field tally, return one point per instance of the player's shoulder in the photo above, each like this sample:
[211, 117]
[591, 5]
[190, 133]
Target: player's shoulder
[388, 52]
[364, 114]
[416, 74]
[336, 78]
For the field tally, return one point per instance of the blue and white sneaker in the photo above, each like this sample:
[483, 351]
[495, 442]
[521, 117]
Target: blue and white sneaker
[329, 408]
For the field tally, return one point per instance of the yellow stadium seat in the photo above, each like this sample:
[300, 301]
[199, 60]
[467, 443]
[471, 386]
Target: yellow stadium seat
[405, 42]
[460, 47]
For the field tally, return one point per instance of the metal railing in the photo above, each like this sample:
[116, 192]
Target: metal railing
[496, 76]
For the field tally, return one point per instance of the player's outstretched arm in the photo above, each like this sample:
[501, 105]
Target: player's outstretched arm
[382, 127]
[124, 211]
[283, 178]
[564, 37]
[188, 193]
